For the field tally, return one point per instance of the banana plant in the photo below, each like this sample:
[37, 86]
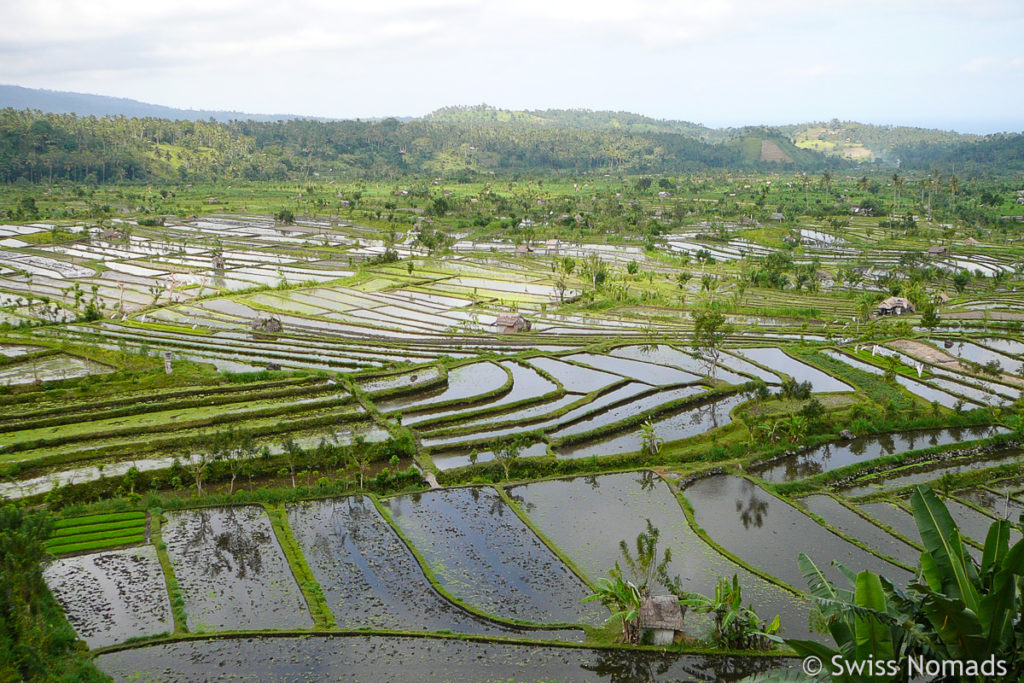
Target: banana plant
[975, 611]
[956, 609]
[623, 599]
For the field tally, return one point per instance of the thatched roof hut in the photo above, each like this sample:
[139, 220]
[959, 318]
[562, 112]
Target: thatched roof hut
[663, 616]
[508, 323]
[895, 305]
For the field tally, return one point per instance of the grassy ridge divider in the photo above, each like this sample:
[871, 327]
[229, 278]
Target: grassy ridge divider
[431, 635]
[881, 464]
[272, 411]
[643, 416]
[435, 582]
[137, 408]
[173, 590]
[88, 535]
[134, 449]
[559, 391]
[440, 423]
[555, 414]
[467, 401]
[130, 398]
[377, 395]
[558, 552]
[849, 539]
[323, 618]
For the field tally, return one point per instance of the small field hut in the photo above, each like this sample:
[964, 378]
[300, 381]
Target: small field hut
[662, 616]
[508, 323]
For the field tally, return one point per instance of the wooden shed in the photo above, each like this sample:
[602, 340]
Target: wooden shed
[508, 323]
[662, 616]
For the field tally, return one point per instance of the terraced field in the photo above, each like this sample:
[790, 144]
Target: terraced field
[306, 440]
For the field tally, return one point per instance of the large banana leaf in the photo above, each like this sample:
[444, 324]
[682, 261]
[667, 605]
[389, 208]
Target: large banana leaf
[831, 600]
[956, 625]
[997, 546]
[872, 635]
[1014, 560]
[997, 611]
[945, 560]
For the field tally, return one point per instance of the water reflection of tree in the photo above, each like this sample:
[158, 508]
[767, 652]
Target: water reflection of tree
[648, 479]
[752, 511]
[234, 544]
[616, 665]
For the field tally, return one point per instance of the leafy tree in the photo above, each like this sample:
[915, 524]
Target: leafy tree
[709, 334]
[36, 643]
[506, 452]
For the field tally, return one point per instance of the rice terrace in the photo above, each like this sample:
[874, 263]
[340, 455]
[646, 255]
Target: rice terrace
[453, 415]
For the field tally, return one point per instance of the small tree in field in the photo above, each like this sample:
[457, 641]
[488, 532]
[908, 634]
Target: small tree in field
[652, 443]
[506, 452]
[710, 331]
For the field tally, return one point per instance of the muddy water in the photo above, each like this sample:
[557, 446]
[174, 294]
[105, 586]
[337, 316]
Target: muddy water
[112, 596]
[415, 660]
[482, 552]
[853, 525]
[588, 517]
[776, 359]
[370, 578]
[231, 570]
[840, 454]
[769, 533]
[687, 423]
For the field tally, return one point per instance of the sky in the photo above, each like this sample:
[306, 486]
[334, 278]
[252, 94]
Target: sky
[951, 64]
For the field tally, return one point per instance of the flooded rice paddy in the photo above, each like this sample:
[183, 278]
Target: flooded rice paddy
[484, 554]
[415, 660]
[112, 596]
[232, 571]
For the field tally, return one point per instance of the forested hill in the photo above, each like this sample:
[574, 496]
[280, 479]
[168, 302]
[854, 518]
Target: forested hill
[44, 147]
[993, 153]
[579, 119]
[463, 142]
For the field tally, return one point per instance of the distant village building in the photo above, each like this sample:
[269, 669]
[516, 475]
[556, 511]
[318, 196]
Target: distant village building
[777, 216]
[972, 242]
[662, 617]
[895, 305]
[508, 323]
[268, 325]
[523, 250]
[937, 250]
[943, 298]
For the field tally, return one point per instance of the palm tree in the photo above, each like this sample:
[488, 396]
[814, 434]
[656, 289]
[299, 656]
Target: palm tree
[826, 181]
[897, 185]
